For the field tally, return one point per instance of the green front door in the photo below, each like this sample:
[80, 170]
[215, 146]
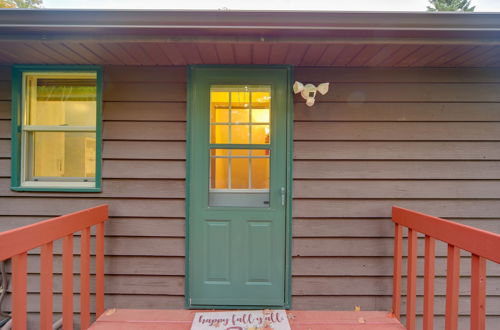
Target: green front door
[237, 187]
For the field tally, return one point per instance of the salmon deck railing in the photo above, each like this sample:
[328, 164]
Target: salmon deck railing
[481, 244]
[17, 242]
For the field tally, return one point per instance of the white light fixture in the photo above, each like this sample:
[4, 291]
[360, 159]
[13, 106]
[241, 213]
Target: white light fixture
[308, 91]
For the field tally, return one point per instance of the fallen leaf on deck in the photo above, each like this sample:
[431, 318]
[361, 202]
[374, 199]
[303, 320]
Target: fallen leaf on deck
[357, 308]
[110, 311]
[361, 320]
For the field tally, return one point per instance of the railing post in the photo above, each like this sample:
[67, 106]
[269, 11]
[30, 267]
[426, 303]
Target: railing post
[411, 281]
[396, 284]
[478, 293]
[429, 273]
[68, 282]
[46, 286]
[99, 269]
[19, 284]
[452, 287]
[85, 278]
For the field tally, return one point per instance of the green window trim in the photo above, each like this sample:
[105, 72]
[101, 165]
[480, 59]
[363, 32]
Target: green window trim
[17, 115]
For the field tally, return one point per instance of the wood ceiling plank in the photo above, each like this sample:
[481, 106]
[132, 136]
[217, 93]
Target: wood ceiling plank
[278, 53]
[208, 53]
[415, 56]
[330, 54]
[173, 53]
[190, 53]
[225, 53]
[243, 53]
[25, 54]
[57, 57]
[476, 51]
[118, 51]
[434, 54]
[68, 53]
[103, 53]
[459, 51]
[260, 53]
[155, 53]
[400, 54]
[84, 52]
[489, 57]
[365, 55]
[382, 55]
[313, 54]
[6, 58]
[137, 52]
[295, 54]
[347, 54]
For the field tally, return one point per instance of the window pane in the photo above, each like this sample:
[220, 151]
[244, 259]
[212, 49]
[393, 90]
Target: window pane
[61, 101]
[61, 155]
[240, 115]
[260, 173]
[260, 116]
[220, 134]
[240, 134]
[260, 134]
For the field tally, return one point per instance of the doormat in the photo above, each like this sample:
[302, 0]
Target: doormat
[241, 320]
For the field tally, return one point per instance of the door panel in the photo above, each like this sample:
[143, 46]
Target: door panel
[237, 229]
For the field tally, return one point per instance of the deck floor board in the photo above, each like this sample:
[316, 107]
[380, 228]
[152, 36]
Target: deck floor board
[125, 319]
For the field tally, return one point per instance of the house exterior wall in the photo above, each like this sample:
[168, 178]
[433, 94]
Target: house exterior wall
[425, 139]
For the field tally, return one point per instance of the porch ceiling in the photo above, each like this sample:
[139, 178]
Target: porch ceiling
[215, 37]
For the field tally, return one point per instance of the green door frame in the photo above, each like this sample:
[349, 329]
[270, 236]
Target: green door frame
[289, 167]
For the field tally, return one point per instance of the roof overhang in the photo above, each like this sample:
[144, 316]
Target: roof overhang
[382, 34]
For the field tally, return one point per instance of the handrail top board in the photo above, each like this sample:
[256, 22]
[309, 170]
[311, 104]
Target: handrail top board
[22, 239]
[477, 241]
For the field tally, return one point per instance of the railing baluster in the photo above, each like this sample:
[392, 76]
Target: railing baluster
[68, 282]
[85, 278]
[452, 287]
[411, 282]
[99, 270]
[429, 273]
[19, 284]
[396, 280]
[478, 293]
[46, 286]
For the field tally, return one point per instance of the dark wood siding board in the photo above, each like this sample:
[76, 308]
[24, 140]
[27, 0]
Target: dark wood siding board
[151, 74]
[107, 56]
[365, 55]
[126, 188]
[173, 53]
[312, 54]
[144, 130]
[84, 52]
[260, 53]
[397, 131]
[117, 49]
[398, 112]
[135, 150]
[393, 150]
[296, 53]
[243, 53]
[4, 129]
[397, 169]
[399, 75]
[5, 148]
[208, 53]
[145, 91]
[140, 111]
[4, 168]
[410, 92]
[371, 266]
[381, 208]
[374, 227]
[143, 169]
[278, 53]
[155, 53]
[118, 207]
[5, 91]
[225, 53]
[449, 189]
[329, 55]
